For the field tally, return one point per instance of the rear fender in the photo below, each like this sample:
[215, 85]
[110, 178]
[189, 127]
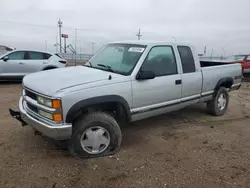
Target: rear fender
[225, 82]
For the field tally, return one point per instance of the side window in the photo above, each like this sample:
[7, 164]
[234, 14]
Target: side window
[36, 55]
[46, 56]
[17, 55]
[187, 59]
[161, 61]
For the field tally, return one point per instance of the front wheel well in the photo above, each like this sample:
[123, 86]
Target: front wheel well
[115, 109]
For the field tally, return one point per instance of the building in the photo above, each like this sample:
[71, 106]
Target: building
[4, 49]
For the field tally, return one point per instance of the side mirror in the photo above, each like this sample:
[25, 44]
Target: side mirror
[145, 75]
[5, 58]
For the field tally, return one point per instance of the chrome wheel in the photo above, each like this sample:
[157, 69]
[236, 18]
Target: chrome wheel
[95, 140]
[222, 101]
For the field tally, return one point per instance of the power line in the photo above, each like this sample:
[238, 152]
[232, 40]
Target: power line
[41, 25]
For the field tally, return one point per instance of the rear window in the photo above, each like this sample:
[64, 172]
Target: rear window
[46, 56]
[187, 59]
[36, 55]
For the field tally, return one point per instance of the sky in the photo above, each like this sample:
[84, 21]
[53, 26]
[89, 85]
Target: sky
[223, 26]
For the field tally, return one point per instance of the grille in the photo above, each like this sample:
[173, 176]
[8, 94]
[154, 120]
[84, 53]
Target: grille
[30, 94]
[32, 108]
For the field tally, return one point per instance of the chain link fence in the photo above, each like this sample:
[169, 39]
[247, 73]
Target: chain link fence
[76, 58]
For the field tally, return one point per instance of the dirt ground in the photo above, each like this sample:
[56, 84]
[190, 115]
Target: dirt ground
[187, 148]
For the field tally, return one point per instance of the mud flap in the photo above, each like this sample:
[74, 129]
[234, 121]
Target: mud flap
[17, 116]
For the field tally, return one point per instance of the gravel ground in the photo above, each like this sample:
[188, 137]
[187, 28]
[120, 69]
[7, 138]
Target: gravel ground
[187, 148]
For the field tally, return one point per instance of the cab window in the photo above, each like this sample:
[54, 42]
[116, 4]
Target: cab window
[187, 59]
[160, 60]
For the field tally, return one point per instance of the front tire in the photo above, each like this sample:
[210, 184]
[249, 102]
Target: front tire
[219, 104]
[95, 135]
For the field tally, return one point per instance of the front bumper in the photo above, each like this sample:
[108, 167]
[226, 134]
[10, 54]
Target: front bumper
[55, 131]
[245, 71]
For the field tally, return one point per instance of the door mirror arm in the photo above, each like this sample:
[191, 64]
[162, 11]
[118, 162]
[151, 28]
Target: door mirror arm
[145, 75]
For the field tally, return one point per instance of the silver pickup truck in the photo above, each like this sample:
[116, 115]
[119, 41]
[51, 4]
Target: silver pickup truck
[122, 82]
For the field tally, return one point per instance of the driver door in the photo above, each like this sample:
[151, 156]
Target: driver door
[161, 94]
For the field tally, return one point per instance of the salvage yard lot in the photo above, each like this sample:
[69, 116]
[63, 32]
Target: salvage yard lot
[187, 148]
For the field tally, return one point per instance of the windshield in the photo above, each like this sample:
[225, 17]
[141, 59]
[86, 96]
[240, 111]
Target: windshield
[236, 58]
[118, 58]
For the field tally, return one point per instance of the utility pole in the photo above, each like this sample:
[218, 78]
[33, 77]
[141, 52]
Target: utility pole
[139, 34]
[60, 33]
[65, 45]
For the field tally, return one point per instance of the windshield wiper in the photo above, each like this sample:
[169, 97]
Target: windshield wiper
[107, 67]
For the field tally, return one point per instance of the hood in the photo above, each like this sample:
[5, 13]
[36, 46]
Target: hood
[50, 81]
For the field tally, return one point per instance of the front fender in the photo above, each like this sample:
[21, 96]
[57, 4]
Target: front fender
[76, 108]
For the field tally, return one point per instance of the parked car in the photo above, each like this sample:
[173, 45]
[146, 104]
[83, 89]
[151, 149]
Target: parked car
[244, 60]
[122, 82]
[16, 64]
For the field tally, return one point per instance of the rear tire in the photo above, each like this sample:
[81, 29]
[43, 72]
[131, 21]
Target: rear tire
[95, 135]
[219, 104]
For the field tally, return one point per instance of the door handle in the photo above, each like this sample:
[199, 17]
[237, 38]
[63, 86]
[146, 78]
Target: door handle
[21, 63]
[177, 82]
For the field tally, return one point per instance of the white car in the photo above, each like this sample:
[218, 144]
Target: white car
[16, 64]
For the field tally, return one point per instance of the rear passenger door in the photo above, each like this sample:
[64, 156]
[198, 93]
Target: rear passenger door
[191, 76]
[36, 61]
[155, 96]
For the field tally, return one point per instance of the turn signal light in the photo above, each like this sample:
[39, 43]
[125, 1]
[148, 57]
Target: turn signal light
[56, 103]
[57, 117]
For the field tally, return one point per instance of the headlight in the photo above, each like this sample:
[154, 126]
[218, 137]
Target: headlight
[44, 101]
[45, 114]
[52, 103]
[54, 117]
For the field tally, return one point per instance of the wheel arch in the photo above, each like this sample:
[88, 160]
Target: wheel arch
[49, 67]
[78, 107]
[226, 82]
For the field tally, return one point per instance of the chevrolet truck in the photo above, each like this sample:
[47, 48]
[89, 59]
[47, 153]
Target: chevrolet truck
[123, 82]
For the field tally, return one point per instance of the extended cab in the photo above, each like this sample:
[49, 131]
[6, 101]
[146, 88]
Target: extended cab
[122, 82]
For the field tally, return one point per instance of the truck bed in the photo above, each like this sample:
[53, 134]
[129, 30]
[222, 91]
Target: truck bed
[213, 71]
[213, 63]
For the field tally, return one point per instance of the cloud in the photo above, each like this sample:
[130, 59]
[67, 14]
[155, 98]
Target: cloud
[200, 22]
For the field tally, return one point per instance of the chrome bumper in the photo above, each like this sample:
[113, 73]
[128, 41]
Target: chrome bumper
[246, 70]
[55, 131]
[235, 87]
